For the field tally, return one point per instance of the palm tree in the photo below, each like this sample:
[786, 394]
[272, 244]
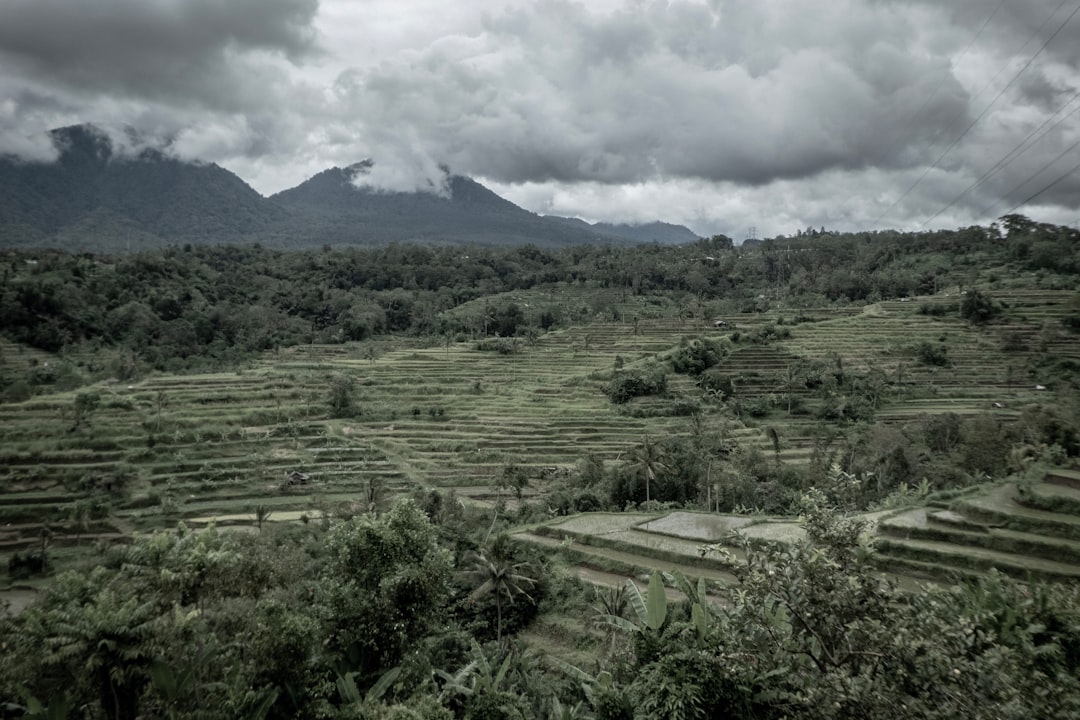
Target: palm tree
[648, 459]
[80, 518]
[262, 514]
[374, 494]
[501, 577]
[774, 438]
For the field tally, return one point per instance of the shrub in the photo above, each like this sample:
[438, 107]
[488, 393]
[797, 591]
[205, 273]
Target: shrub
[1072, 320]
[978, 307]
[714, 380]
[625, 386]
[1013, 342]
[759, 406]
[587, 501]
[18, 391]
[938, 309]
[500, 345]
[768, 333]
[930, 354]
[697, 356]
[342, 390]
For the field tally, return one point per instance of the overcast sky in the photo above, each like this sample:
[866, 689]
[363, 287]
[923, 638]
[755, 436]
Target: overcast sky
[723, 115]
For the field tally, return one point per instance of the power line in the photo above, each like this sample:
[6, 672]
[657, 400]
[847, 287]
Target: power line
[944, 77]
[992, 102]
[1040, 192]
[1038, 172]
[1016, 152]
[996, 98]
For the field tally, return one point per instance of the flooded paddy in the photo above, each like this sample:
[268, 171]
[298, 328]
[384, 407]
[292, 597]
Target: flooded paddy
[703, 527]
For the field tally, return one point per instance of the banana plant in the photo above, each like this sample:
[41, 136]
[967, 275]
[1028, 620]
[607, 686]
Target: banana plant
[479, 675]
[650, 609]
[593, 687]
[577, 711]
[350, 693]
[702, 613]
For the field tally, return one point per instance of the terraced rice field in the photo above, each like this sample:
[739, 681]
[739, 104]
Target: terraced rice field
[993, 528]
[1029, 532]
[220, 444]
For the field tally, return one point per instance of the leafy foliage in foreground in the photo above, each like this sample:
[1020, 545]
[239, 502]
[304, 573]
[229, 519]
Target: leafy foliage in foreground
[813, 632]
[362, 619]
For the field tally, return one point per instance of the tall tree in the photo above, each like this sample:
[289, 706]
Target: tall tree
[500, 577]
[648, 458]
[383, 588]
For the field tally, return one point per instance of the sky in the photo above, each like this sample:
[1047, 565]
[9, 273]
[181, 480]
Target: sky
[736, 117]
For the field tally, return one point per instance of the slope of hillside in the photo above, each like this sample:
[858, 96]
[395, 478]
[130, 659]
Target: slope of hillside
[653, 232]
[659, 232]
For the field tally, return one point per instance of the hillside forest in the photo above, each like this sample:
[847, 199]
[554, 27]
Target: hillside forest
[483, 482]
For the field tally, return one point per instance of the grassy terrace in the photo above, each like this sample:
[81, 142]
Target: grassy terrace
[1026, 531]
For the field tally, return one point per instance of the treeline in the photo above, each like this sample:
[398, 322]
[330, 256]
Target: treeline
[858, 465]
[196, 305]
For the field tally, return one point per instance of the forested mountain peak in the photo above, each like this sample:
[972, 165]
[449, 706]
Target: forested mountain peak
[83, 144]
[338, 207]
[346, 187]
[117, 192]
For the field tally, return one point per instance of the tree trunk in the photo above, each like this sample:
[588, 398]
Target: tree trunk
[498, 618]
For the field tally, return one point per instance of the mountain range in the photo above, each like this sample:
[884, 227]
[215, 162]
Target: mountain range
[93, 198]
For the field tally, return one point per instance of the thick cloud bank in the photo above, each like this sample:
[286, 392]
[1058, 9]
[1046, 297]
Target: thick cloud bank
[721, 115]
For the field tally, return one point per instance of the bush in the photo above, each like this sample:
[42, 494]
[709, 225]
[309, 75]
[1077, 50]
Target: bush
[500, 345]
[938, 309]
[768, 333]
[342, 391]
[1072, 320]
[630, 384]
[978, 307]
[716, 381]
[930, 354]
[697, 356]
[759, 406]
[1013, 342]
[21, 568]
[18, 391]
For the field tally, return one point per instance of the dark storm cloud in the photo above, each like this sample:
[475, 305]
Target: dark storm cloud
[729, 92]
[193, 51]
[724, 113]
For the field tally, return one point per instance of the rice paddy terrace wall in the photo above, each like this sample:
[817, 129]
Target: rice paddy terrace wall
[1029, 530]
